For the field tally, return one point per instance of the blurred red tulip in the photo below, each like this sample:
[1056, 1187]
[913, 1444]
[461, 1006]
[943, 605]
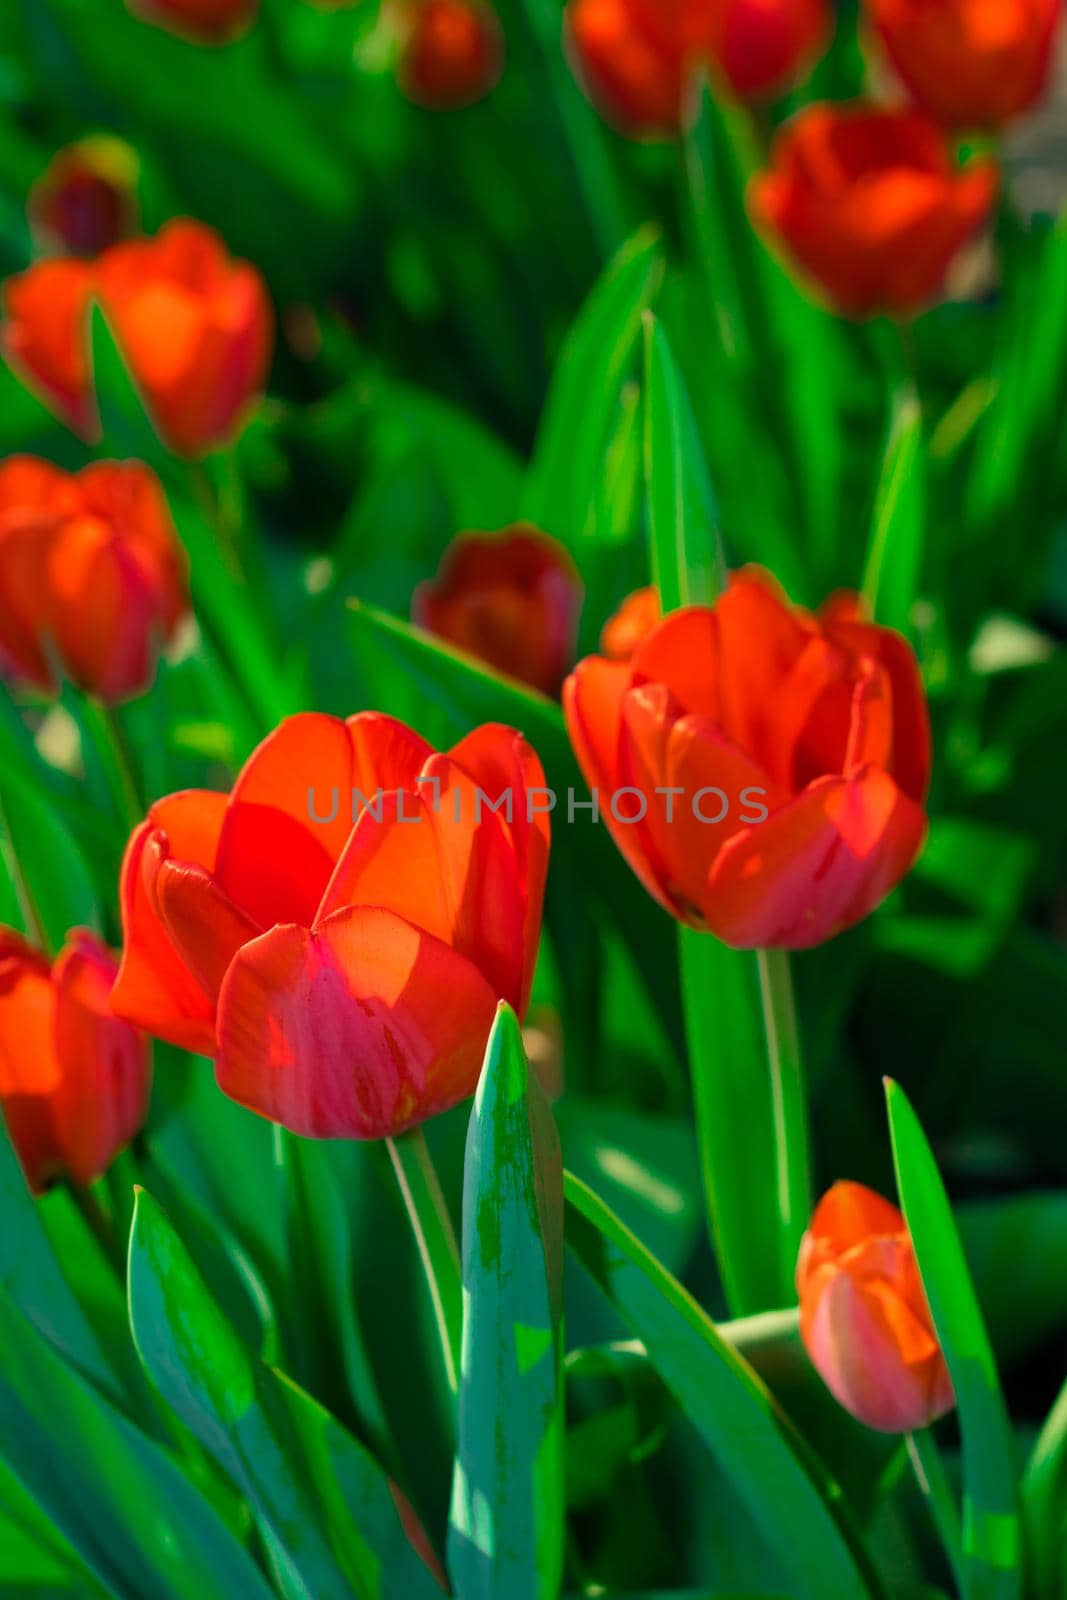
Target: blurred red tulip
[453, 53]
[870, 206]
[45, 338]
[196, 328]
[512, 599]
[639, 613]
[201, 21]
[91, 569]
[775, 764]
[74, 1080]
[970, 63]
[85, 200]
[344, 977]
[637, 57]
[863, 1313]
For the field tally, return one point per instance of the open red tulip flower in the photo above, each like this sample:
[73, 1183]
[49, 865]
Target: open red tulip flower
[637, 58]
[870, 206]
[74, 1079]
[970, 63]
[86, 199]
[512, 599]
[344, 977]
[194, 326]
[92, 575]
[864, 1316]
[763, 770]
[453, 53]
[200, 21]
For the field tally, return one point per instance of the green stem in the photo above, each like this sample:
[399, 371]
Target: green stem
[930, 1475]
[120, 764]
[789, 1105]
[436, 1239]
[100, 1225]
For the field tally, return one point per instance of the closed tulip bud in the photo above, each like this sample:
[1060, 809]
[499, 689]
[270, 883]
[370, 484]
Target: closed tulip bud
[639, 58]
[85, 200]
[763, 770]
[345, 977]
[970, 63]
[512, 599]
[45, 338]
[864, 1317]
[74, 1079]
[869, 205]
[200, 21]
[639, 613]
[92, 575]
[195, 327]
[453, 53]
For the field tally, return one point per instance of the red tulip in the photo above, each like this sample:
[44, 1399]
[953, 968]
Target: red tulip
[74, 1080]
[638, 57]
[91, 571]
[864, 1317]
[512, 599]
[45, 338]
[196, 328]
[971, 63]
[345, 977]
[86, 199]
[639, 613]
[762, 770]
[869, 205]
[453, 54]
[201, 21]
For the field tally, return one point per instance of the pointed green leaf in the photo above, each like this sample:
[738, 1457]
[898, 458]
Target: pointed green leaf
[991, 1541]
[333, 1522]
[894, 559]
[791, 1498]
[506, 1534]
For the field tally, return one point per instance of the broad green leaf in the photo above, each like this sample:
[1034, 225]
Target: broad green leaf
[507, 1521]
[51, 868]
[334, 1525]
[1044, 1499]
[796, 1505]
[894, 558]
[599, 356]
[120, 1500]
[687, 563]
[991, 1540]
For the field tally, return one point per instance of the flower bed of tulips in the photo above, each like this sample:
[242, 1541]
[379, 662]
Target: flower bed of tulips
[533, 801]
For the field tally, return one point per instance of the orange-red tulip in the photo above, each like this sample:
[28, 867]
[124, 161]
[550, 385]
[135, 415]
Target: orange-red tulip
[762, 770]
[91, 572]
[869, 205]
[196, 328]
[638, 57]
[45, 338]
[85, 200]
[74, 1079]
[453, 53]
[970, 63]
[344, 977]
[202, 21]
[863, 1313]
[512, 599]
[639, 613]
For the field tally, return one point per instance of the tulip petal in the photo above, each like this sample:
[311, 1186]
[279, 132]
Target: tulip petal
[910, 758]
[816, 866]
[29, 1064]
[205, 926]
[684, 651]
[357, 1030]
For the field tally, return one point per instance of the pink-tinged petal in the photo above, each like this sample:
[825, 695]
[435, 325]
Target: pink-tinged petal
[204, 925]
[816, 866]
[102, 1097]
[442, 860]
[356, 1031]
[154, 988]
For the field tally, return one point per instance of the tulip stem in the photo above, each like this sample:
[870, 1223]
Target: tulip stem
[436, 1239]
[929, 1470]
[789, 1104]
